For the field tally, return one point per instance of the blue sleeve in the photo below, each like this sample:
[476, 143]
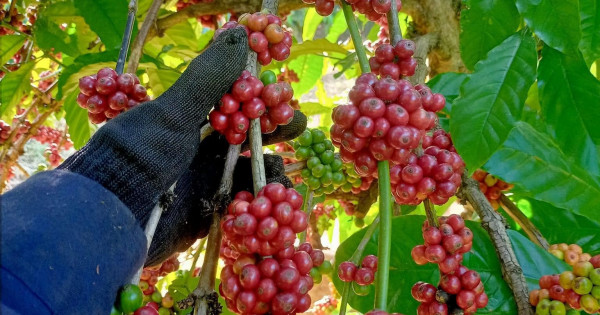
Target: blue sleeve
[67, 245]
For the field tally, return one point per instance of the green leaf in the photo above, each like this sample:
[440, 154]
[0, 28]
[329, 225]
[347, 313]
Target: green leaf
[311, 23]
[535, 164]
[14, 85]
[484, 25]
[179, 36]
[77, 120]
[492, 99]
[569, 95]
[9, 46]
[74, 40]
[448, 84]
[534, 260]
[107, 18]
[312, 108]
[589, 10]
[309, 69]
[338, 27]
[404, 273]
[317, 47]
[556, 22]
[563, 225]
[161, 79]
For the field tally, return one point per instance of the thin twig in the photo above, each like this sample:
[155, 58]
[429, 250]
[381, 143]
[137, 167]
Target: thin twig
[294, 168]
[126, 36]
[205, 131]
[205, 291]
[423, 45]
[150, 229]
[308, 210]
[430, 213]
[516, 214]
[24, 171]
[140, 39]
[199, 250]
[393, 24]
[355, 258]
[491, 221]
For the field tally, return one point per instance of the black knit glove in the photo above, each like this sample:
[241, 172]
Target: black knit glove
[139, 154]
[190, 215]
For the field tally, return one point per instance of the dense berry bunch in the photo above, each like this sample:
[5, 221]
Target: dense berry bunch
[491, 186]
[248, 99]
[277, 285]
[52, 155]
[578, 290]
[266, 224]
[361, 277]
[46, 80]
[206, 20]
[149, 276]
[435, 175]
[385, 121]
[324, 306]
[266, 36]
[374, 10]
[394, 61]
[106, 94]
[48, 135]
[380, 312]
[571, 254]
[459, 287]
[324, 170]
[4, 131]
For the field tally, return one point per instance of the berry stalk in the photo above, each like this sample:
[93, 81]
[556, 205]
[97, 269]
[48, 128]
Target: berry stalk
[383, 167]
[126, 37]
[356, 259]
[363, 61]
[516, 214]
[385, 235]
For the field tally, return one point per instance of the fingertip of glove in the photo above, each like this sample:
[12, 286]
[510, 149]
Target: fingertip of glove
[233, 36]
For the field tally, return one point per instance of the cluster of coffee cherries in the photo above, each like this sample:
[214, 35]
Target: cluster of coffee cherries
[53, 155]
[380, 312]
[324, 306]
[361, 277]
[251, 98]
[354, 182]
[48, 135]
[436, 174]
[385, 121]
[254, 284]
[571, 254]
[569, 292]
[266, 224]
[21, 22]
[150, 275]
[5, 130]
[266, 36]
[205, 20]
[394, 61]
[107, 94]
[491, 186]
[374, 10]
[324, 170]
[459, 287]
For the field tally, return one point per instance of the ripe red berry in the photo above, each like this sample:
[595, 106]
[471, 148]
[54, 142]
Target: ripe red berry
[470, 279]
[452, 243]
[404, 49]
[286, 278]
[435, 253]
[346, 271]
[106, 86]
[432, 235]
[238, 122]
[250, 277]
[87, 85]
[450, 284]
[258, 42]
[125, 83]
[254, 108]
[267, 228]
[364, 276]
[465, 299]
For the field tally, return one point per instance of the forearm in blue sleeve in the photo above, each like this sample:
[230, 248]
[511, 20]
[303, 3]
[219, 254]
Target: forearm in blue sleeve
[67, 245]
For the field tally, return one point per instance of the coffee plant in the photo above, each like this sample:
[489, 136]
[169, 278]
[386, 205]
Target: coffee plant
[449, 144]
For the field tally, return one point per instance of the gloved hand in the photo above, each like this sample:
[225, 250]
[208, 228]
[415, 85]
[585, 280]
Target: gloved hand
[190, 215]
[142, 152]
[139, 154]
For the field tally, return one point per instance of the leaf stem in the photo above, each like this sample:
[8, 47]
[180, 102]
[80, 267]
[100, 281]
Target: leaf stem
[355, 258]
[385, 236]
[199, 250]
[356, 38]
[516, 214]
[126, 37]
[140, 39]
